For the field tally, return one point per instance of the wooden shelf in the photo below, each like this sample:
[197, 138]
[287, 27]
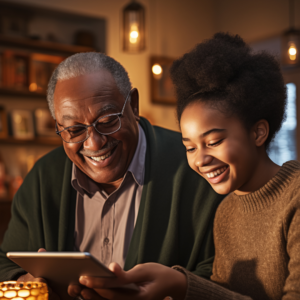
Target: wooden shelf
[42, 45]
[46, 141]
[5, 202]
[21, 92]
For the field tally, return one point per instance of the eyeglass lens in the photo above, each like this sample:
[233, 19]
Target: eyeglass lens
[105, 125]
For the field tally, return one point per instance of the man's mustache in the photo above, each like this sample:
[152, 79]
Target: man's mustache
[109, 145]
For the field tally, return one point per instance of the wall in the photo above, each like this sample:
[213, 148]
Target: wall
[254, 19]
[174, 27]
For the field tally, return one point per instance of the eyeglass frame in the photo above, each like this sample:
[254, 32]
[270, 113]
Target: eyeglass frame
[119, 115]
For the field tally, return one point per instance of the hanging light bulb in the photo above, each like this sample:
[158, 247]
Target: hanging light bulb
[292, 52]
[157, 69]
[133, 31]
[290, 41]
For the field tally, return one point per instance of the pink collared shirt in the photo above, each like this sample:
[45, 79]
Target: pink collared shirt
[104, 223]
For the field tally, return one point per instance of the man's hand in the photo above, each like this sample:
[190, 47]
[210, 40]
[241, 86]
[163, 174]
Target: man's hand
[155, 281]
[29, 277]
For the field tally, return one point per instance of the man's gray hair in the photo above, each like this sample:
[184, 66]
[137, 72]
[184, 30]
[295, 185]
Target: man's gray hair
[87, 63]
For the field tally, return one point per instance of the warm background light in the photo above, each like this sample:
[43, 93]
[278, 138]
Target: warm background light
[292, 52]
[134, 34]
[33, 87]
[157, 69]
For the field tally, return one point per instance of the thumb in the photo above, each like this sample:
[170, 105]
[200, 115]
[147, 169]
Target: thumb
[118, 271]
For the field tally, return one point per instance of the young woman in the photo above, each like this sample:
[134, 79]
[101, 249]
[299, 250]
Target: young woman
[231, 103]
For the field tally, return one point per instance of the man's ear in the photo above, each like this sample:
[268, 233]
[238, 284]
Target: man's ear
[261, 132]
[134, 103]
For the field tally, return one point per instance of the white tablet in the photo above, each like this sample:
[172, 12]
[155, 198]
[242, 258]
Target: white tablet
[62, 268]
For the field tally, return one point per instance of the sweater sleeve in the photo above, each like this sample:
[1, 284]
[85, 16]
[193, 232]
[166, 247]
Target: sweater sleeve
[200, 288]
[15, 239]
[291, 290]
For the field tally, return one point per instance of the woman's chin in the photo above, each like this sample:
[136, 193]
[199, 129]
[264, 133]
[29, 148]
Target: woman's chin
[221, 189]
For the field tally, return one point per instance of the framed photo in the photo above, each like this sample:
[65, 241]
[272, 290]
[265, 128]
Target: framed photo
[41, 68]
[162, 88]
[22, 124]
[14, 25]
[3, 124]
[44, 123]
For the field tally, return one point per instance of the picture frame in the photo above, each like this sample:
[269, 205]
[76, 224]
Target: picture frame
[41, 69]
[13, 24]
[22, 124]
[3, 124]
[44, 123]
[162, 88]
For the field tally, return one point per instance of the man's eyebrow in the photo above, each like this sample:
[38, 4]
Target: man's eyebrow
[206, 133]
[102, 111]
[107, 108]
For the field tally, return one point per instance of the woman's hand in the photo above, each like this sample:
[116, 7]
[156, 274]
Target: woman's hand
[154, 281]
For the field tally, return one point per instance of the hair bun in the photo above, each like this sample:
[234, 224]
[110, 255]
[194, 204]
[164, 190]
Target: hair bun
[210, 66]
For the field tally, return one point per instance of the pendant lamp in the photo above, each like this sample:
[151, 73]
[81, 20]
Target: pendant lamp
[291, 40]
[133, 28]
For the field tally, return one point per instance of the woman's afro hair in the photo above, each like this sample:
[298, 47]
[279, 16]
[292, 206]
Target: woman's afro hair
[225, 74]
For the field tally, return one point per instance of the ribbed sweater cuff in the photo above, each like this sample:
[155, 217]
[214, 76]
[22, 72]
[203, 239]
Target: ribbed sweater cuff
[200, 288]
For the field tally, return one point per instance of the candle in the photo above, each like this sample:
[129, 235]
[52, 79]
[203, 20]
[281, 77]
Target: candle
[17, 290]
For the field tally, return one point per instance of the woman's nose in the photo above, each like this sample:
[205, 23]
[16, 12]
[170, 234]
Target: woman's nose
[202, 159]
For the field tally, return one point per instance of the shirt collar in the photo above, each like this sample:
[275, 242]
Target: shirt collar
[137, 165]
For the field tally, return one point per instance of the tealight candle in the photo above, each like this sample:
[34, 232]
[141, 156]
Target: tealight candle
[30, 290]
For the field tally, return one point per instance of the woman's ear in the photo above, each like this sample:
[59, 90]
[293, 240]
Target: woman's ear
[261, 132]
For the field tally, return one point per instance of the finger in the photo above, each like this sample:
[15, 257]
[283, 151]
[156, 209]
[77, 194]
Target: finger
[89, 294]
[114, 267]
[42, 250]
[99, 282]
[74, 290]
[105, 282]
[26, 277]
[39, 279]
[123, 294]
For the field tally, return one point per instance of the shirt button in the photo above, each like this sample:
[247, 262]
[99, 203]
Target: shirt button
[106, 241]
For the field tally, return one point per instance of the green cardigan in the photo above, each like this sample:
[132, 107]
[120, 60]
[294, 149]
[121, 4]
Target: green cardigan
[174, 223]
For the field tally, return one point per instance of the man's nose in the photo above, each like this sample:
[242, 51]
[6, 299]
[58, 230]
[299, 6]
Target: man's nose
[203, 159]
[95, 140]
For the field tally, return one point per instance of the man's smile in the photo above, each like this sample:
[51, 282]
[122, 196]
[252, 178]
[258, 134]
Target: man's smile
[104, 156]
[100, 155]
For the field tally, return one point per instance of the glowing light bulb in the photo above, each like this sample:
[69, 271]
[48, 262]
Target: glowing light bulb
[33, 87]
[157, 69]
[292, 52]
[134, 34]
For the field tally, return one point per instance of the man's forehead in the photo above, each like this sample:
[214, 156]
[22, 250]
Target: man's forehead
[94, 86]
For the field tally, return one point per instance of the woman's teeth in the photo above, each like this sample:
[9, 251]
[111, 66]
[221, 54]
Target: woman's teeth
[216, 172]
[103, 157]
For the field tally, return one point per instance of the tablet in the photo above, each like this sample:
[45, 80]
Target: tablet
[62, 268]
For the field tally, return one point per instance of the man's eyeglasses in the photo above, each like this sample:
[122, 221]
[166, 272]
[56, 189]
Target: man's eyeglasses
[104, 125]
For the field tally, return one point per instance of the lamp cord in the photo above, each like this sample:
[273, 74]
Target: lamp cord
[291, 13]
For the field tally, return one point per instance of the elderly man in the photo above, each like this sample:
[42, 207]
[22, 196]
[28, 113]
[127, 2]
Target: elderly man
[119, 188]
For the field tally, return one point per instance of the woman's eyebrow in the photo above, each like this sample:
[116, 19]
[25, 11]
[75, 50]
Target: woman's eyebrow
[211, 131]
[205, 133]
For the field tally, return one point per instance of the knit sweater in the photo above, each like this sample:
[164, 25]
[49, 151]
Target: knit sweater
[257, 240]
[175, 218]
